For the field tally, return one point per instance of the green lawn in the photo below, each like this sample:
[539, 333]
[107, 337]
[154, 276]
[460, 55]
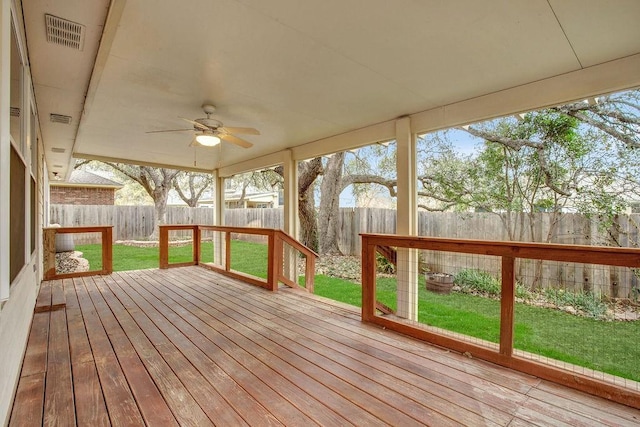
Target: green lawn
[243, 256]
[611, 347]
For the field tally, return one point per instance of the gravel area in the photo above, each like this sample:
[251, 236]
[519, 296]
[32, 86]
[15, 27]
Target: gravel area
[71, 262]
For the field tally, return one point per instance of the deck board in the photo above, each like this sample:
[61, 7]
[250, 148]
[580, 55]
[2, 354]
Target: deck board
[58, 394]
[318, 349]
[188, 346]
[89, 400]
[119, 400]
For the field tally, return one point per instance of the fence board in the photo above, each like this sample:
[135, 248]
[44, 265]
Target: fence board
[136, 223]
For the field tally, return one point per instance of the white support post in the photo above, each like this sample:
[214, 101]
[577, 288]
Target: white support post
[291, 223]
[219, 254]
[407, 223]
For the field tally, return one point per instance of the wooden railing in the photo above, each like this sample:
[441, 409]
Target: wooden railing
[276, 254]
[508, 252]
[50, 250]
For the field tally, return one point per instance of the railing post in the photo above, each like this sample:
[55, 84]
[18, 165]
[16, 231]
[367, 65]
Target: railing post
[196, 244]
[107, 250]
[309, 273]
[274, 259]
[49, 248]
[368, 280]
[163, 244]
[227, 251]
[507, 302]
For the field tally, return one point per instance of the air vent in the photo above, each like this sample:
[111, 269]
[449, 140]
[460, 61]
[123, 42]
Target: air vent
[60, 118]
[57, 166]
[57, 150]
[15, 112]
[65, 33]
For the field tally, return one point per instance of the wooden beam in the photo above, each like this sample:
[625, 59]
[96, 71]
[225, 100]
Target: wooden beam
[591, 81]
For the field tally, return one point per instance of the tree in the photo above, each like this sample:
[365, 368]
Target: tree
[329, 212]
[191, 186]
[308, 172]
[157, 182]
[580, 157]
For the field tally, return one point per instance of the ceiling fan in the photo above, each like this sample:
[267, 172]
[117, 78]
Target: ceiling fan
[209, 132]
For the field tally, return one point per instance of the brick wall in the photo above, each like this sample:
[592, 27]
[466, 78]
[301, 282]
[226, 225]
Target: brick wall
[82, 196]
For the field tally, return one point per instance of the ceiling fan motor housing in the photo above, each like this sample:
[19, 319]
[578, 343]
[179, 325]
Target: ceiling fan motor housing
[210, 123]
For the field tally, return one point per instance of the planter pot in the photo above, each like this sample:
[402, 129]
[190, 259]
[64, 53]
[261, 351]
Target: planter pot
[440, 283]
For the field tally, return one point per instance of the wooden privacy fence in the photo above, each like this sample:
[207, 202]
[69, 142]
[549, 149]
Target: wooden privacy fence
[136, 223]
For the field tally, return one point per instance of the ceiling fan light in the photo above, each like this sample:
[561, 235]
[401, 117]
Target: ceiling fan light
[208, 140]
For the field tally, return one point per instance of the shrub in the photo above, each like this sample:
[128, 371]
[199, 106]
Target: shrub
[476, 281]
[470, 280]
[588, 303]
[383, 265]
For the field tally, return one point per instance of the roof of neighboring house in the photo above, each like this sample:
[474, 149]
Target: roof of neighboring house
[232, 196]
[82, 178]
[250, 196]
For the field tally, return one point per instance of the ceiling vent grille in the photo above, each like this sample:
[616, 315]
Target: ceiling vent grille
[14, 112]
[58, 150]
[60, 118]
[65, 33]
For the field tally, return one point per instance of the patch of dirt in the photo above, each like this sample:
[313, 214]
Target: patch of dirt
[342, 267]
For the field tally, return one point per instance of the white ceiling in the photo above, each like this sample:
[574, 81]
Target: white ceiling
[299, 71]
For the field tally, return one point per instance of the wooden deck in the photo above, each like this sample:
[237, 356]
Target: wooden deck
[187, 346]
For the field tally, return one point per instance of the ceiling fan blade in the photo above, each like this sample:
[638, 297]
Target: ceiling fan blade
[235, 140]
[196, 124]
[168, 130]
[244, 131]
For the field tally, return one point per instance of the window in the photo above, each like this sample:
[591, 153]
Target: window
[17, 215]
[33, 214]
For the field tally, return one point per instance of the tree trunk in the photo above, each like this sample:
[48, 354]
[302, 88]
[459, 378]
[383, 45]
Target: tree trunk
[307, 215]
[307, 174]
[160, 203]
[329, 215]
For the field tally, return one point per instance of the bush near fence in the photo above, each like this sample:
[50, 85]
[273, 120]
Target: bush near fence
[136, 223]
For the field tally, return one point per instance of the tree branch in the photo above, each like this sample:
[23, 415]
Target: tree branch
[370, 179]
[516, 144]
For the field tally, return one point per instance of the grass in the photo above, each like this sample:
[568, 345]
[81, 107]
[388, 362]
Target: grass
[135, 258]
[243, 255]
[606, 346]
